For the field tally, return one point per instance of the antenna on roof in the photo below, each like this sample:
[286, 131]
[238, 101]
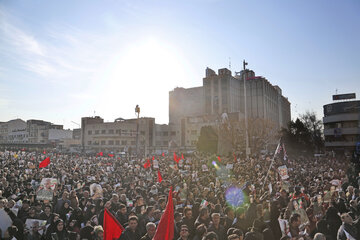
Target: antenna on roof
[229, 63]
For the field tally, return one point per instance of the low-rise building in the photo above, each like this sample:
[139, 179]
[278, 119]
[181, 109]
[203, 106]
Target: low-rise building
[117, 136]
[342, 126]
[13, 131]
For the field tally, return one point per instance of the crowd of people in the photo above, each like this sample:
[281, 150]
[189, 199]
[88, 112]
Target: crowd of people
[215, 198]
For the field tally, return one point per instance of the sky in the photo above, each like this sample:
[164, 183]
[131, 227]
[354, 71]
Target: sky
[63, 60]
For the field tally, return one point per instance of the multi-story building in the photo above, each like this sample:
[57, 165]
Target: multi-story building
[184, 103]
[342, 125]
[221, 92]
[38, 131]
[224, 93]
[263, 100]
[162, 136]
[13, 131]
[117, 136]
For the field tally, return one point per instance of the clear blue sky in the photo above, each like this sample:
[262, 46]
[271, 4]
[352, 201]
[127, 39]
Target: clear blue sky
[62, 60]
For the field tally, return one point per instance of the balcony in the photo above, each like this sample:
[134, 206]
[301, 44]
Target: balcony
[341, 117]
[343, 131]
[340, 144]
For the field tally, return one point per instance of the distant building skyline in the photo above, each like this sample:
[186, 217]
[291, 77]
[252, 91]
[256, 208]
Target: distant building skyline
[64, 60]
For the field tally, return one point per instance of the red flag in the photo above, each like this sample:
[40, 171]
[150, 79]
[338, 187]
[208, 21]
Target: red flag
[110, 155]
[182, 156]
[219, 158]
[44, 152]
[176, 159]
[147, 164]
[165, 229]
[153, 158]
[112, 228]
[163, 154]
[159, 177]
[100, 154]
[45, 162]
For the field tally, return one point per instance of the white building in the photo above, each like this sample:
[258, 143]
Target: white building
[13, 131]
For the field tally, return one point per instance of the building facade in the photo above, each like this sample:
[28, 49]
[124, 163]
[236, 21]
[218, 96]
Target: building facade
[117, 136]
[342, 125]
[13, 131]
[224, 93]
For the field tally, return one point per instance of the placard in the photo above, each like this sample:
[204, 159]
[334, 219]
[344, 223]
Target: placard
[46, 189]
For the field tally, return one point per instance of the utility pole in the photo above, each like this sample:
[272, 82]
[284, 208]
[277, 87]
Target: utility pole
[247, 149]
[137, 111]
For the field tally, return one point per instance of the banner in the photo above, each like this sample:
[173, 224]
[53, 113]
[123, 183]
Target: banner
[30, 224]
[229, 166]
[283, 172]
[155, 164]
[46, 189]
[96, 191]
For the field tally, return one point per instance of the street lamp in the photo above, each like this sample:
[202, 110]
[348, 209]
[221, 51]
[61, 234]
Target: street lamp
[247, 150]
[137, 111]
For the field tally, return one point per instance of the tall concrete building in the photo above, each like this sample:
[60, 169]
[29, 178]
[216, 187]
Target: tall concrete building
[221, 92]
[263, 99]
[224, 93]
[185, 102]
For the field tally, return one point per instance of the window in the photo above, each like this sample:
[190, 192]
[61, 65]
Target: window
[142, 133]
[158, 143]
[111, 142]
[165, 134]
[133, 142]
[123, 142]
[166, 143]
[118, 131]
[111, 131]
[96, 131]
[102, 142]
[141, 142]
[89, 142]
[103, 131]
[89, 132]
[173, 133]
[117, 142]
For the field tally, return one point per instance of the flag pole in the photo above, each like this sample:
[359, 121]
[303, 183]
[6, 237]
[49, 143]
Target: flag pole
[272, 162]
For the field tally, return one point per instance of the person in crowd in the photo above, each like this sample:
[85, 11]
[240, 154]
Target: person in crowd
[216, 227]
[184, 233]
[150, 231]
[130, 191]
[98, 233]
[348, 230]
[61, 233]
[131, 231]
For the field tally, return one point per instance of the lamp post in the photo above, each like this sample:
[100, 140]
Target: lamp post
[137, 111]
[247, 150]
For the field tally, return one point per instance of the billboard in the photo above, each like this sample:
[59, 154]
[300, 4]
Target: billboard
[344, 96]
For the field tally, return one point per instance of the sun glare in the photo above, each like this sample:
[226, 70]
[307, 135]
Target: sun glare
[147, 70]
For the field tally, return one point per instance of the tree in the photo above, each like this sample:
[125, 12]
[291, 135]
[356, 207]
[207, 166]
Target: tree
[304, 134]
[315, 127]
[208, 140]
